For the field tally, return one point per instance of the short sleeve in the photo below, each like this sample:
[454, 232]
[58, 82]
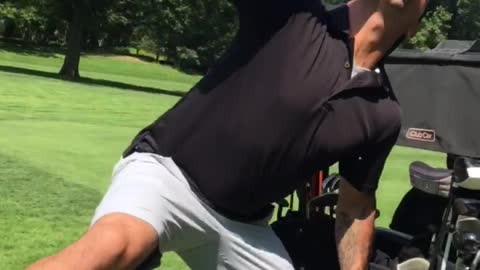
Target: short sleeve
[264, 17]
[363, 169]
[258, 10]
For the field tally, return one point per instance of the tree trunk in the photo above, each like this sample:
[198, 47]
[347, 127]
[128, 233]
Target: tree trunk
[454, 30]
[71, 63]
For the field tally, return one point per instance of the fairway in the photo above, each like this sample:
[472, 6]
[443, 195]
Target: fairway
[59, 141]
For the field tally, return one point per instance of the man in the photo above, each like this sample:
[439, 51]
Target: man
[294, 93]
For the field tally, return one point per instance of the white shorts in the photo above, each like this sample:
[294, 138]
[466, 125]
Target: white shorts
[154, 189]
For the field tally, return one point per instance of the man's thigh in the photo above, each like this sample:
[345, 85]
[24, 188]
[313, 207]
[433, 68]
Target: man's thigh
[240, 246]
[152, 189]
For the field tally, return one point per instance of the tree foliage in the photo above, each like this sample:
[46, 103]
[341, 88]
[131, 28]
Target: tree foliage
[190, 33]
[467, 20]
[434, 29]
[187, 33]
[24, 20]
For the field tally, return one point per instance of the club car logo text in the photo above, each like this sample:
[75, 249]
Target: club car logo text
[425, 135]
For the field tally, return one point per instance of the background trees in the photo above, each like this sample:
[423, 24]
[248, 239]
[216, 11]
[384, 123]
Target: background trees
[189, 34]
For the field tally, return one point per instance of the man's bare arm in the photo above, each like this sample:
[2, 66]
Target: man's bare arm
[396, 3]
[354, 227]
[377, 24]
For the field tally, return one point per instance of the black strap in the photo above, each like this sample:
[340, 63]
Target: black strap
[143, 143]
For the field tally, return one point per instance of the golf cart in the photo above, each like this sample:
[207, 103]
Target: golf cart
[437, 223]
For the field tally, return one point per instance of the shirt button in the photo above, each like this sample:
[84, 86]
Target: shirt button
[347, 65]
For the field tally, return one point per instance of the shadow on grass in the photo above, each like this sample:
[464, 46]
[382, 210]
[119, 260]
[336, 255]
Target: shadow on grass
[123, 51]
[91, 81]
[22, 48]
[55, 51]
[41, 213]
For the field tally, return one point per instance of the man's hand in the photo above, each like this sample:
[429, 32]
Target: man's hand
[354, 227]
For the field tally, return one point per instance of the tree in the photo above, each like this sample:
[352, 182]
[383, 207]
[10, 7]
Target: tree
[76, 27]
[448, 19]
[81, 15]
[26, 21]
[8, 13]
[122, 19]
[190, 33]
[466, 24]
[434, 29]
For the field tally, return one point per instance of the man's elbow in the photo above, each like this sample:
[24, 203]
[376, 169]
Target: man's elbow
[355, 204]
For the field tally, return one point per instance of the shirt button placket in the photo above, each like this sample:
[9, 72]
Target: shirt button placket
[348, 67]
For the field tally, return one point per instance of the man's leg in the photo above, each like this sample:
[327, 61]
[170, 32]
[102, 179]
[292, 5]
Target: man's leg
[149, 207]
[129, 222]
[116, 241]
[239, 246]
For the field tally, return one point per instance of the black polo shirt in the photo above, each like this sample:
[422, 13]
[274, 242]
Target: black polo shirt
[276, 108]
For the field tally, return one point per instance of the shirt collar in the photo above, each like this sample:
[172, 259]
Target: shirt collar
[365, 79]
[339, 21]
[339, 18]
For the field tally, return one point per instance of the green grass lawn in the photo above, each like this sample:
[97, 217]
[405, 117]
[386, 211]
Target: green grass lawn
[112, 68]
[59, 141]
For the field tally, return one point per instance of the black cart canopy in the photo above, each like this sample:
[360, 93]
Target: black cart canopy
[439, 91]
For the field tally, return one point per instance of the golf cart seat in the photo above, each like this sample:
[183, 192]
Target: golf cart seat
[467, 171]
[430, 180]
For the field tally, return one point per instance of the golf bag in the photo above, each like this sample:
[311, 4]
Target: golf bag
[438, 220]
[308, 233]
[446, 207]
